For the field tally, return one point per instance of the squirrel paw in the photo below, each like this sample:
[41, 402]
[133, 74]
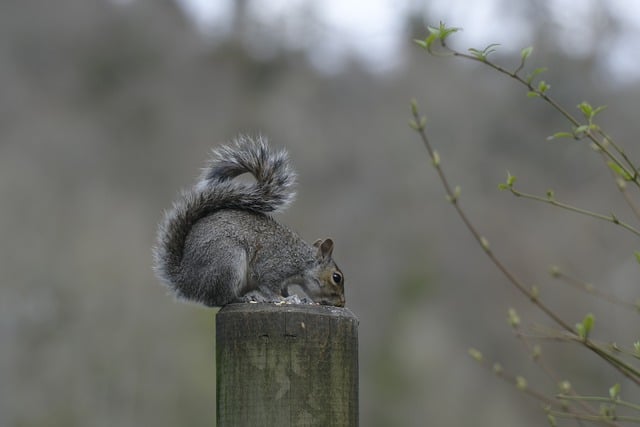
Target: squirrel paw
[295, 299]
[259, 297]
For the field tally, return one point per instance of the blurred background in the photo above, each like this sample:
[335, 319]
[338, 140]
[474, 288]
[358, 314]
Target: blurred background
[109, 108]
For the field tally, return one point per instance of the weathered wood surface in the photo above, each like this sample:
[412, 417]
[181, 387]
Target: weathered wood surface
[286, 365]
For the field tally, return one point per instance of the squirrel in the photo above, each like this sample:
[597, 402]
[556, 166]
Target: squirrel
[218, 244]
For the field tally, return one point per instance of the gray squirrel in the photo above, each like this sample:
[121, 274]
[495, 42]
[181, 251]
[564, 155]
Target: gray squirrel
[219, 245]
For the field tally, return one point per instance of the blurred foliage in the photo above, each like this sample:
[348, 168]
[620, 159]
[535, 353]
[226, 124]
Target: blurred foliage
[109, 108]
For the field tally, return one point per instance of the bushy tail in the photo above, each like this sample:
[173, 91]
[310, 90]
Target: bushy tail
[216, 190]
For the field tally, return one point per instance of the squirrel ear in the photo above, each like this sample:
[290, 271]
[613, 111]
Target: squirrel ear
[325, 248]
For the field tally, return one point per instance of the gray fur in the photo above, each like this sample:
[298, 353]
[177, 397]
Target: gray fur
[217, 244]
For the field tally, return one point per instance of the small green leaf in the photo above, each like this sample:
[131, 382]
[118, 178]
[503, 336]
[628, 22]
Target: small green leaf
[429, 41]
[497, 368]
[614, 391]
[503, 186]
[598, 109]
[446, 32]
[421, 43]
[532, 94]
[619, 170]
[588, 322]
[637, 254]
[526, 52]
[558, 135]
[555, 271]
[636, 349]
[484, 53]
[442, 32]
[543, 86]
[550, 194]
[586, 326]
[586, 109]
[511, 179]
[476, 53]
[435, 31]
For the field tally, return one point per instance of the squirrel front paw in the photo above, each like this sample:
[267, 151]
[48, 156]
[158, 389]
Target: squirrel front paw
[295, 299]
[259, 297]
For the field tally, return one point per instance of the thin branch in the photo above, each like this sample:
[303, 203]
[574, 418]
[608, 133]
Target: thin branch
[594, 418]
[592, 290]
[552, 201]
[618, 402]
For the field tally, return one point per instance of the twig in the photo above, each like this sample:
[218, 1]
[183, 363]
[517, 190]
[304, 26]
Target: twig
[550, 199]
[592, 290]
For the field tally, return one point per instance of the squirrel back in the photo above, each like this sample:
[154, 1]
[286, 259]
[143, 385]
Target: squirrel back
[217, 244]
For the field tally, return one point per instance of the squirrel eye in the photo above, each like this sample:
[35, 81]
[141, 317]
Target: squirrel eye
[337, 278]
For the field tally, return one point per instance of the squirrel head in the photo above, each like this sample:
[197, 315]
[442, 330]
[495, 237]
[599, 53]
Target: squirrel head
[327, 286]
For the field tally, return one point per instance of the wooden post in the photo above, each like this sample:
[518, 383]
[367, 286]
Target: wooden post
[286, 365]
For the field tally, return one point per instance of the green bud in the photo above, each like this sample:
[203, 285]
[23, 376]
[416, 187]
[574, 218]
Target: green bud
[512, 318]
[554, 270]
[537, 352]
[477, 356]
[414, 107]
[485, 243]
[564, 387]
[614, 391]
[436, 159]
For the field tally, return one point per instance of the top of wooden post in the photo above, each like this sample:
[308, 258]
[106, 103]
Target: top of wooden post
[312, 309]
